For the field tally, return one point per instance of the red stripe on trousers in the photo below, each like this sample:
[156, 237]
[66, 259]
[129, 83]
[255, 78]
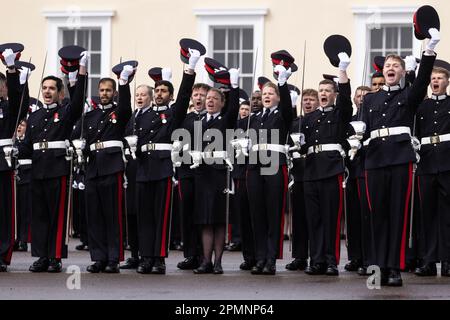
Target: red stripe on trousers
[405, 221]
[166, 218]
[13, 222]
[285, 190]
[367, 192]
[60, 229]
[119, 204]
[338, 224]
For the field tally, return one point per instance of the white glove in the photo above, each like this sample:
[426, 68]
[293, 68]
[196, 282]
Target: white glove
[283, 74]
[344, 61]
[132, 141]
[410, 63]
[294, 98]
[360, 129]
[25, 74]
[177, 146]
[415, 143]
[355, 145]
[127, 71]
[73, 77]
[194, 55]
[242, 146]
[234, 77]
[10, 57]
[435, 38]
[84, 58]
[166, 74]
[298, 139]
[196, 159]
[79, 144]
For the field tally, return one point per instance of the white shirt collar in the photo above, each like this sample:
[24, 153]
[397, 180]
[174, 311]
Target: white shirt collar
[392, 88]
[159, 109]
[142, 110]
[106, 106]
[439, 98]
[214, 115]
[326, 109]
[50, 106]
[272, 109]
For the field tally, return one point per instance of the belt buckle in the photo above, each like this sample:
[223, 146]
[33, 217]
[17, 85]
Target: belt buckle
[43, 145]
[383, 132]
[150, 147]
[435, 139]
[317, 148]
[263, 147]
[99, 145]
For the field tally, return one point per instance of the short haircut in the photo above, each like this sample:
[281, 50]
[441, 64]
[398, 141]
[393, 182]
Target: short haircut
[363, 88]
[396, 57]
[222, 95]
[443, 71]
[110, 80]
[244, 103]
[59, 83]
[166, 83]
[203, 86]
[377, 75]
[273, 86]
[149, 89]
[329, 82]
[310, 93]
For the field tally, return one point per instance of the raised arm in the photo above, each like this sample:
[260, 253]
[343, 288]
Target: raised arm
[184, 95]
[77, 101]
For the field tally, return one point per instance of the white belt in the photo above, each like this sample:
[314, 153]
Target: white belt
[106, 144]
[214, 154]
[386, 132]
[44, 145]
[127, 152]
[325, 147]
[24, 162]
[297, 155]
[435, 139]
[156, 147]
[269, 147]
[6, 142]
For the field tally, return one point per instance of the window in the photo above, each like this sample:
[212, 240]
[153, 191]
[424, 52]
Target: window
[233, 47]
[90, 39]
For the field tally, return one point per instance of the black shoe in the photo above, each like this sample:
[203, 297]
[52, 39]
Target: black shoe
[205, 267]
[218, 268]
[97, 267]
[258, 267]
[362, 271]
[247, 265]
[189, 263]
[332, 270]
[297, 264]
[145, 267]
[234, 247]
[445, 269]
[270, 267]
[159, 267]
[54, 266]
[3, 265]
[130, 263]
[395, 278]
[82, 247]
[427, 270]
[112, 267]
[40, 265]
[353, 265]
[316, 269]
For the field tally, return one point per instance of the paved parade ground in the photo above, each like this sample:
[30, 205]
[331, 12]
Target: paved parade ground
[234, 284]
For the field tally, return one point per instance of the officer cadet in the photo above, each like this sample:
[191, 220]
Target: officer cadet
[103, 130]
[186, 185]
[355, 218]
[143, 99]
[45, 142]
[256, 101]
[154, 127]
[267, 180]
[377, 81]
[324, 132]
[433, 171]
[211, 174]
[300, 242]
[389, 116]
[10, 94]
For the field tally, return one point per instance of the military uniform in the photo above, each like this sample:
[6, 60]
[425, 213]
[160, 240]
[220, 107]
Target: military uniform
[23, 202]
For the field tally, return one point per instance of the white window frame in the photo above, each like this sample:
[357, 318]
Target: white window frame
[209, 18]
[367, 18]
[58, 20]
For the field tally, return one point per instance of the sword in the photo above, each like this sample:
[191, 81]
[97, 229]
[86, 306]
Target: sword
[411, 205]
[254, 75]
[227, 207]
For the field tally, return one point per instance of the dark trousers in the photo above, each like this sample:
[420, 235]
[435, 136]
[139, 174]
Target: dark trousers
[300, 240]
[241, 211]
[434, 195]
[48, 222]
[389, 191]
[366, 229]
[104, 211]
[79, 211]
[324, 209]
[267, 198]
[7, 215]
[354, 222]
[24, 212]
[190, 232]
[153, 201]
[131, 225]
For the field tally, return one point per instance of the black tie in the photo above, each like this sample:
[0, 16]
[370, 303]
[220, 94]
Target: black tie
[211, 118]
[265, 115]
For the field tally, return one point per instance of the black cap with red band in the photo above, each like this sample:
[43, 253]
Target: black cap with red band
[187, 44]
[15, 47]
[425, 18]
[334, 45]
[217, 72]
[70, 58]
